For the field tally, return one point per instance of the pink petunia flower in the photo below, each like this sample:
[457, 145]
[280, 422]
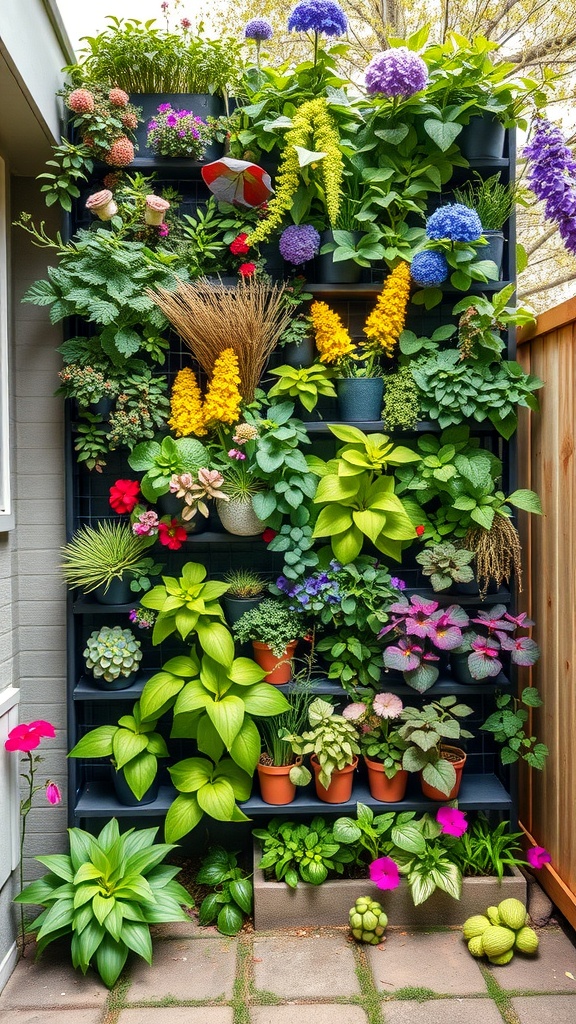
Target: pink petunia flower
[27, 737]
[53, 794]
[538, 856]
[384, 873]
[354, 712]
[452, 821]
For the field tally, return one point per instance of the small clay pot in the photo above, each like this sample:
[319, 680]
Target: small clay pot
[340, 789]
[278, 670]
[275, 785]
[457, 758]
[389, 791]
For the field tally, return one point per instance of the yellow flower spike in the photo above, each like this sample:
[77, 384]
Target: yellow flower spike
[186, 415]
[386, 321]
[223, 398]
[332, 339]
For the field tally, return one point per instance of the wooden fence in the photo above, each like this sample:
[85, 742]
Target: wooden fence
[546, 442]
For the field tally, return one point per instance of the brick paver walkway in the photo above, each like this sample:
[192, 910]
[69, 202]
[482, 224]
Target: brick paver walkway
[201, 977]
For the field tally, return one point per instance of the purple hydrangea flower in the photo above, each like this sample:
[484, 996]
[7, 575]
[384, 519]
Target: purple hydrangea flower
[258, 29]
[299, 243]
[396, 73]
[552, 178]
[321, 16]
[429, 269]
[454, 221]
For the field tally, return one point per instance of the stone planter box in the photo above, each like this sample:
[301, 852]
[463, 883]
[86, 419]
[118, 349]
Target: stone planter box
[276, 905]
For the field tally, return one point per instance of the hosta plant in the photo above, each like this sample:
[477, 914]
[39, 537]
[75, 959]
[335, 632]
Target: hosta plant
[232, 896]
[308, 383]
[190, 605]
[425, 631]
[307, 853]
[112, 652]
[105, 894]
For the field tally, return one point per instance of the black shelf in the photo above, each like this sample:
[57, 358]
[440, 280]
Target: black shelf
[97, 800]
[85, 689]
[378, 427]
[369, 291]
[392, 682]
[484, 792]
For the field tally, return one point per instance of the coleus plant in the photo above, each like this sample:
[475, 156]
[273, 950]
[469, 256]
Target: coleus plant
[498, 633]
[425, 631]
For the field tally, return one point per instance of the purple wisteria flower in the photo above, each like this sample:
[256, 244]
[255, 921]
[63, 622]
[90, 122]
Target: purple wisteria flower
[258, 29]
[299, 243]
[396, 73]
[320, 16]
[429, 269]
[552, 178]
[454, 221]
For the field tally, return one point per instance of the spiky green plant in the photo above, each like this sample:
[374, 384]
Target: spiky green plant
[245, 583]
[96, 555]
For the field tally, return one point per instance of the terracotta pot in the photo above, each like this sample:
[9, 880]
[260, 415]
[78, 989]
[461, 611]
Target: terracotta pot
[457, 758]
[340, 789]
[275, 785]
[389, 791]
[278, 670]
[239, 518]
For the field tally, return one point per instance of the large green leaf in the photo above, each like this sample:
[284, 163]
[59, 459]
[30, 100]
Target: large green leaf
[126, 745]
[192, 773]
[58, 864]
[217, 641]
[333, 519]
[59, 915]
[263, 700]
[241, 890]
[89, 939]
[335, 488]
[183, 815]
[528, 501]
[347, 546]
[370, 522]
[441, 775]
[191, 698]
[227, 716]
[217, 799]
[208, 739]
[244, 672]
[97, 743]
[182, 666]
[110, 959]
[240, 780]
[137, 938]
[140, 773]
[230, 920]
[245, 750]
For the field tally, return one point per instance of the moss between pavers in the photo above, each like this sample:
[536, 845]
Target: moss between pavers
[370, 999]
[500, 997]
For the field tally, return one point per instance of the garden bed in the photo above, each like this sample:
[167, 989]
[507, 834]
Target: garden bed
[276, 905]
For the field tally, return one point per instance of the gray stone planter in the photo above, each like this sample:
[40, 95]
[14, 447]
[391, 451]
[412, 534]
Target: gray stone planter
[276, 905]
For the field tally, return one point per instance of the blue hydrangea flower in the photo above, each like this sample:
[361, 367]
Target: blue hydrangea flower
[321, 16]
[396, 73]
[299, 243]
[258, 29]
[454, 221]
[429, 269]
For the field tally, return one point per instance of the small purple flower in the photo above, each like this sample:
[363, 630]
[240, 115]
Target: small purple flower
[321, 16]
[235, 453]
[552, 178]
[429, 269]
[164, 107]
[258, 29]
[397, 583]
[454, 221]
[171, 120]
[152, 125]
[299, 243]
[181, 135]
[396, 73]
[538, 856]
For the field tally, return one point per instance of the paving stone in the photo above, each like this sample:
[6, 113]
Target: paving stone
[305, 967]
[438, 1011]
[77, 1016]
[320, 1013]
[185, 969]
[177, 1015]
[544, 972]
[545, 1009]
[183, 930]
[51, 982]
[439, 961]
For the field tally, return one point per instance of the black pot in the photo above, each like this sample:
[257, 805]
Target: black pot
[482, 138]
[343, 272]
[122, 683]
[299, 355]
[495, 248]
[460, 671]
[202, 104]
[360, 398]
[125, 795]
[118, 592]
[234, 607]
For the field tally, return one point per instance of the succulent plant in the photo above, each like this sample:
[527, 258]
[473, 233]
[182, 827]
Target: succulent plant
[446, 564]
[500, 932]
[112, 652]
[367, 920]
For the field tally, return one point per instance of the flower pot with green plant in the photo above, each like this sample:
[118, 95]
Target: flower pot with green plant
[246, 590]
[280, 770]
[446, 565]
[332, 742]
[481, 654]
[428, 733]
[494, 202]
[240, 487]
[112, 655]
[306, 384]
[133, 747]
[381, 744]
[178, 132]
[274, 631]
[108, 560]
[160, 462]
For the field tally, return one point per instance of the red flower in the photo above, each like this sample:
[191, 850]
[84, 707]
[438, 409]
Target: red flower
[269, 534]
[171, 534]
[420, 530]
[238, 247]
[247, 269]
[124, 496]
[27, 737]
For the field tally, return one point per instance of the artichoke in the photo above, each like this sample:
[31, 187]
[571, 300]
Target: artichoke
[367, 920]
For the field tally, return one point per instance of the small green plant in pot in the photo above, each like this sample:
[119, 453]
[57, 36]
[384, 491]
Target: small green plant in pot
[381, 744]
[101, 557]
[306, 383]
[112, 656]
[428, 733]
[333, 743]
[274, 631]
[280, 770]
[446, 564]
[246, 590]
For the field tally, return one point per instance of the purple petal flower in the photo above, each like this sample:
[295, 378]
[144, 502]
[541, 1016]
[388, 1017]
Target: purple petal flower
[384, 873]
[258, 29]
[405, 656]
[299, 243]
[321, 16]
[53, 794]
[396, 73]
[538, 856]
[552, 178]
[164, 107]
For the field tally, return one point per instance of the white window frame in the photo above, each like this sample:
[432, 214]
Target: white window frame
[6, 512]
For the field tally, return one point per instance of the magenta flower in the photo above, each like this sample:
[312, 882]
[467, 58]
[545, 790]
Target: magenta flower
[538, 856]
[27, 737]
[164, 107]
[384, 873]
[452, 821]
[235, 453]
[53, 794]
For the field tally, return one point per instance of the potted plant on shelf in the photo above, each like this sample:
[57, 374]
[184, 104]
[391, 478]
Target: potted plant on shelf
[238, 515]
[179, 132]
[133, 747]
[425, 732]
[480, 654]
[246, 590]
[446, 565]
[108, 560]
[426, 632]
[112, 656]
[494, 203]
[306, 384]
[381, 744]
[161, 461]
[332, 742]
[274, 632]
[279, 769]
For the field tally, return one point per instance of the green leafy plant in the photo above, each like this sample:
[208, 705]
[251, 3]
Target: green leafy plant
[276, 749]
[445, 564]
[190, 605]
[232, 896]
[72, 164]
[105, 894]
[364, 251]
[307, 853]
[487, 850]
[482, 320]
[109, 551]
[112, 652]
[245, 583]
[284, 467]
[133, 747]
[508, 726]
[424, 731]
[423, 854]
[401, 409]
[297, 543]
[493, 200]
[161, 461]
[270, 623]
[365, 832]
[87, 384]
[332, 739]
[306, 383]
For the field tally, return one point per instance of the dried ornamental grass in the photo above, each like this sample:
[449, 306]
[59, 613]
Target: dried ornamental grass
[211, 318]
[498, 553]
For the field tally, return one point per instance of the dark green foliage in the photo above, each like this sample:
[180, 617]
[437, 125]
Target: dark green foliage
[232, 896]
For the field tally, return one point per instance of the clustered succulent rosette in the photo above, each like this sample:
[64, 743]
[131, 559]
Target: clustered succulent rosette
[429, 269]
[324, 17]
[112, 653]
[299, 243]
[456, 222]
[397, 74]
[552, 178]
[425, 630]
